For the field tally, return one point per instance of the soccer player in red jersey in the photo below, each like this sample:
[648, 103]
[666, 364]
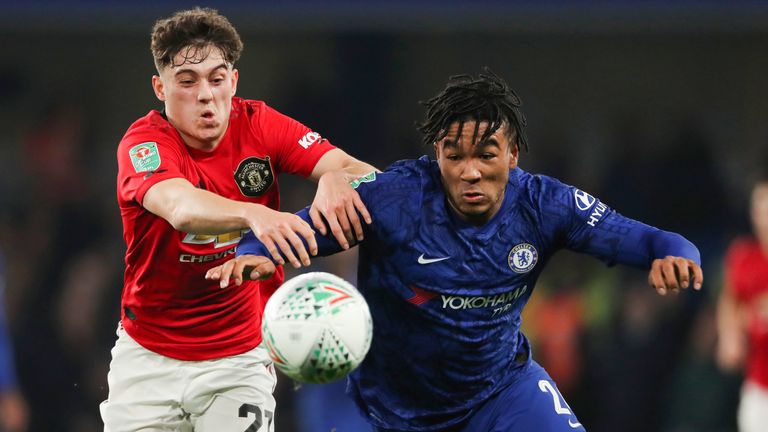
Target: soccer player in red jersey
[743, 314]
[191, 180]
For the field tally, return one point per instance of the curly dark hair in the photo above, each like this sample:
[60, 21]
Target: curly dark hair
[194, 31]
[486, 98]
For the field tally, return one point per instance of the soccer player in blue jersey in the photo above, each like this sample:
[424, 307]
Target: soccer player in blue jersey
[453, 255]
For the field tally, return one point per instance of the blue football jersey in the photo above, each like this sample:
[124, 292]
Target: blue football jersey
[446, 296]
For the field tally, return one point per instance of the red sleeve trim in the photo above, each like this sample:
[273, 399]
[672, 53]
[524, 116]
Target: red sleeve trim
[321, 149]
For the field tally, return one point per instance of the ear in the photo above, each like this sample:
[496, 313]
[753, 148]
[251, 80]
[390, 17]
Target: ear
[514, 155]
[437, 152]
[158, 87]
[235, 76]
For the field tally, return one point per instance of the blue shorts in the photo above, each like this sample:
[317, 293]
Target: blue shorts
[530, 404]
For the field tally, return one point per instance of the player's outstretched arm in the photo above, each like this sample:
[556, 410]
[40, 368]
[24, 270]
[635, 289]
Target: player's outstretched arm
[244, 267]
[336, 200]
[251, 248]
[252, 261]
[673, 273]
[732, 345]
[197, 211]
[673, 262]
[325, 244]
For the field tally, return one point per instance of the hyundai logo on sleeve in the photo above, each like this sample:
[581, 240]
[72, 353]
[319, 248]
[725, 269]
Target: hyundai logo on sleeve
[583, 200]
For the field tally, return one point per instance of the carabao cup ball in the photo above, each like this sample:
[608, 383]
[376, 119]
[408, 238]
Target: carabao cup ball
[317, 328]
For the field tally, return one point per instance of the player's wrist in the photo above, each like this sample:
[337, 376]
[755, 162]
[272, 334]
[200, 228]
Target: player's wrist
[336, 176]
[253, 213]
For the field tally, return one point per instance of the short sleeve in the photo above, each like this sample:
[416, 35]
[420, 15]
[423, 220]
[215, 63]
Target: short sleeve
[297, 147]
[143, 163]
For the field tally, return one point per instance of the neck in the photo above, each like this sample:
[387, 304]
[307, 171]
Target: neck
[202, 145]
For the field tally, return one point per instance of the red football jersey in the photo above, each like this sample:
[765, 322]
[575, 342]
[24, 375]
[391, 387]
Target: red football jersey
[747, 275]
[167, 304]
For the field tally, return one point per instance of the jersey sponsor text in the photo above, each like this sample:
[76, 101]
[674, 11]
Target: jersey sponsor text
[309, 139]
[499, 302]
[597, 214]
[192, 258]
[220, 240]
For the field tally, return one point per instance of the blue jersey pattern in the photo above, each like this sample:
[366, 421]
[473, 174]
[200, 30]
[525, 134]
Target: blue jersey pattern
[446, 296]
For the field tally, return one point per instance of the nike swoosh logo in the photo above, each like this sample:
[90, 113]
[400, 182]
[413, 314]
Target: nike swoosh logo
[573, 424]
[423, 260]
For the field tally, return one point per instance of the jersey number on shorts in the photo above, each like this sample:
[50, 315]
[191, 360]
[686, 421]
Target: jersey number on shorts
[557, 399]
[256, 425]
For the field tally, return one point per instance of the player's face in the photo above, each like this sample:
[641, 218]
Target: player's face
[475, 173]
[760, 213]
[197, 90]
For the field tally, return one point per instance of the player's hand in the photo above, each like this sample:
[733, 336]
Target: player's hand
[280, 232]
[244, 267]
[339, 203]
[671, 274]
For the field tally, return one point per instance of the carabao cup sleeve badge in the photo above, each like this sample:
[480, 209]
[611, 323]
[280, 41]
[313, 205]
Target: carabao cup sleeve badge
[254, 176]
[145, 157]
[522, 258]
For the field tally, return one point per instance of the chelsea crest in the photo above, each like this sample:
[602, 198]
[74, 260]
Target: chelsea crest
[522, 258]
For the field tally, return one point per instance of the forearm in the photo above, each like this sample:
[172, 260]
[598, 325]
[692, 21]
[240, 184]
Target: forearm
[326, 244]
[354, 169]
[732, 345]
[643, 243]
[728, 322]
[196, 211]
[665, 243]
[208, 213]
[338, 162]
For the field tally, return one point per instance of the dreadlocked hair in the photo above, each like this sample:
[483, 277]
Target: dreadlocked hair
[486, 98]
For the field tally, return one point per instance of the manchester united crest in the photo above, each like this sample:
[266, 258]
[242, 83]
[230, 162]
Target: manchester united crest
[254, 176]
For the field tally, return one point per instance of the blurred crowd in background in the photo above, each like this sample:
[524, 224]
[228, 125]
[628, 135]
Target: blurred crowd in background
[658, 111]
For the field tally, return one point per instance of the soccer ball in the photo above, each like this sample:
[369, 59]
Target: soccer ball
[317, 328]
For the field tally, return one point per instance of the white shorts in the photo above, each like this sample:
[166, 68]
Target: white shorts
[151, 392]
[753, 408]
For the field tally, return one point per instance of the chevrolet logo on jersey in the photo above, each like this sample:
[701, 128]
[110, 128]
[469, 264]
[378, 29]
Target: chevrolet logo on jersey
[221, 240]
[192, 258]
